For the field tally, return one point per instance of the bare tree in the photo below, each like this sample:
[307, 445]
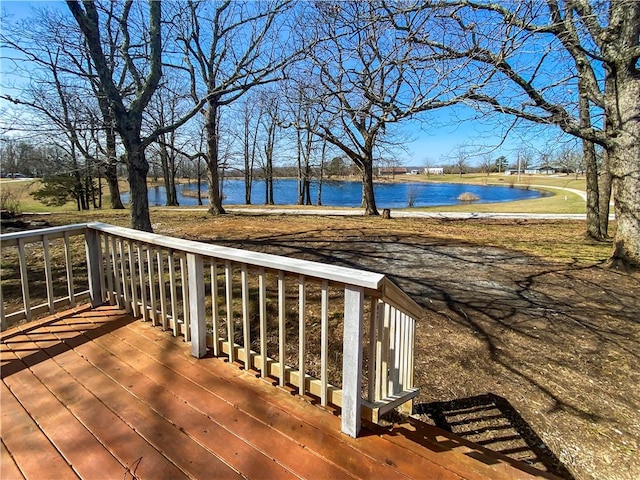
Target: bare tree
[270, 124]
[460, 161]
[48, 37]
[249, 144]
[300, 112]
[229, 47]
[583, 78]
[61, 107]
[251, 118]
[169, 105]
[127, 112]
[487, 164]
[364, 79]
[57, 92]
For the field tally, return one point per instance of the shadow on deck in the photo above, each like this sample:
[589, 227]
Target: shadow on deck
[97, 394]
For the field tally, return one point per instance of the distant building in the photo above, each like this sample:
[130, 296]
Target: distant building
[434, 171]
[540, 170]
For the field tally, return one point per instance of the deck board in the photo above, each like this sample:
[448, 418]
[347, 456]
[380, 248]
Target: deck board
[97, 394]
[27, 442]
[8, 467]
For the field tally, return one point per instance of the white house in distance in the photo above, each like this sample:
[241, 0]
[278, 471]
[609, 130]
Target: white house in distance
[540, 170]
[434, 171]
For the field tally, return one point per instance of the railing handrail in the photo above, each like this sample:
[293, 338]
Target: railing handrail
[388, 290]
[352, 276]
[395, 296]
[11, 239]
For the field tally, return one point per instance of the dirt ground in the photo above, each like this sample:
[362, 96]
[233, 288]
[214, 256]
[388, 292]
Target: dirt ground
[536, 358]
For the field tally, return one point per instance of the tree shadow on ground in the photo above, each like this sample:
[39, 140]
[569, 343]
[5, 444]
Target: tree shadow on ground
[491, 421]
[558, 340]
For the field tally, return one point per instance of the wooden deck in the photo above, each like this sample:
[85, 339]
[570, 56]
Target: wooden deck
[97, 394]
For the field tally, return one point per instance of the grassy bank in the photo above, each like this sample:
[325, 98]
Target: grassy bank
[562, 181]
[554, 201]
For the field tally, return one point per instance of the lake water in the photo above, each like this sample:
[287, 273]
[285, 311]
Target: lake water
[349, 194]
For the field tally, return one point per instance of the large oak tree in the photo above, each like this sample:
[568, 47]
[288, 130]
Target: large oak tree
[573, 64]
[361, 77]
[128, 110]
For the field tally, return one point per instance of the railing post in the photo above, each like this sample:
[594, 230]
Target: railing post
[352, 360]
[195, 274]
[94, 266]
[3, 320]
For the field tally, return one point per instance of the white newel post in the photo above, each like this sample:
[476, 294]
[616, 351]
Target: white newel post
[352, 360]
[94, 266]
[195, 273]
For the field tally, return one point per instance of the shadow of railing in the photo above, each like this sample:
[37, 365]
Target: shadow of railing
[491, 421]
[45, 339]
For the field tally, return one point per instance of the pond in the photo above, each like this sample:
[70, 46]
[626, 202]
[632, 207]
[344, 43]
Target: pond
[349, 194]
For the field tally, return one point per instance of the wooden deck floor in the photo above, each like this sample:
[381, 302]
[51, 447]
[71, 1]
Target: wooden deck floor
[97, 394]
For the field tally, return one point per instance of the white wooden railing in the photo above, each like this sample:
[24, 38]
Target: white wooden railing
[343, 336]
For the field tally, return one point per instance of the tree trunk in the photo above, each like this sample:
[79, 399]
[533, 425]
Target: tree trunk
[167, 176]
[622, 107]
[307, 189]
[270, 200]
[199, 173]
[211, 128]
[321, 176]
[111, 170]
[139, 196]
[167, 162]
[99, 188]
[604, 187]
[591, 166]
[368, 197]
[306, 170]
[78, 187]
[248, 164]
[299, 163]
[89, 192]
[625, 174]
[111, 175]
[268, 153]
[593, 193]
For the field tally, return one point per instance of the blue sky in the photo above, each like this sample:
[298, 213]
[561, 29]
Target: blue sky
[438, 137]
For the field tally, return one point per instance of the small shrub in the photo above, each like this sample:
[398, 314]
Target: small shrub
[9, 203]
[468, 197]
[56, 190]
[412, 195]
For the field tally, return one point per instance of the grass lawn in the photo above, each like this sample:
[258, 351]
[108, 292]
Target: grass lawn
[555, 201]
